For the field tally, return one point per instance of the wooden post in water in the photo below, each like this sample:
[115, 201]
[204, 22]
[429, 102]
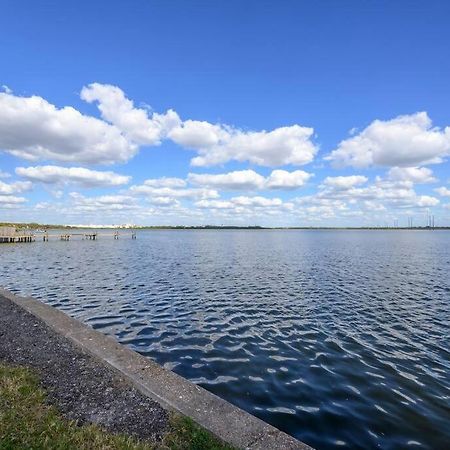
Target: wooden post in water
[11, 235]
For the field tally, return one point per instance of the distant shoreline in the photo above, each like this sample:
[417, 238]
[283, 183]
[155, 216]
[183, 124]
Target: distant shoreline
[36, 226]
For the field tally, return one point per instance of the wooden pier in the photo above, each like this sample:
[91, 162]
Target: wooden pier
[11, 235]
[91, 236]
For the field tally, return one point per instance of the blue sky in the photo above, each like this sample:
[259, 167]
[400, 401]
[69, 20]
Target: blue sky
[280, 113]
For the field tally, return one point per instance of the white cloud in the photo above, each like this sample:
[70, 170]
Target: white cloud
[164, 201]
[33, 129]
[414, 174]
[426, 201]
[197, 134]
[4, 174]
[11, 200]
[215, 204]
[282, 179]
[443, 191]
[240, 201]
[72, 175]
[352, 194]
[133, 122]
[171, 188]
[257, 201]
[215, 143]
[250, 180]
[345, 182]
[397, 194]
[14, 188]
[165, 182]
[237, 180]
[314, 206]
[102, 203]
[6, 89]
[405, 141]
[218, 144]
[8, 191]
[371, 205]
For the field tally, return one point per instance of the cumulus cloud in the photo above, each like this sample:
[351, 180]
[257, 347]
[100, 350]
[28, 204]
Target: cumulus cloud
[164, 201]
[133, 122]
[72, 175]
[215, 204]
[257, 201]
[166, 182]
[415, 174]
[197, 134]
[398, 194]
[118, 208]
[315, 206]
[240, 201]
[237, 180]
[33, 129]
[443, 191]
[9, 191]
[14, 188]
[424, 201]
[171, 188]
[215, 143]
[102, 203]
[282, 179]
[346, 195]
[345, 182]
[4, 174]
[8, 200]
[405, 141]
[218, 144]
[250, 180]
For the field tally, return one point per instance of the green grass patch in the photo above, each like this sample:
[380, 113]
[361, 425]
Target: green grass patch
[27, 422]
[187, 435]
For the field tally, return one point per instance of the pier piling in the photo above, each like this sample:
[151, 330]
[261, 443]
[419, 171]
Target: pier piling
[11, 235]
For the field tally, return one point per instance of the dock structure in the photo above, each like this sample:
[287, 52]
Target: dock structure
[10, 235]
[91, 236]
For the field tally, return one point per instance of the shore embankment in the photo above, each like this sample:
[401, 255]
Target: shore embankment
[91, 378]
[81, 387]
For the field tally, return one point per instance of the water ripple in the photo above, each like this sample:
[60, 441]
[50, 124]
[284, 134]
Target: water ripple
[339, 338]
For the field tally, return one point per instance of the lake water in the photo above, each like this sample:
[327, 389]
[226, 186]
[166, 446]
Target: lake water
[340, 338]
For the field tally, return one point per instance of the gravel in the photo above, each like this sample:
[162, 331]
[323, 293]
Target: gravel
[80, 386]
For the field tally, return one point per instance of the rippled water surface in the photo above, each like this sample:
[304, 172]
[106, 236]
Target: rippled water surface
[340, 338]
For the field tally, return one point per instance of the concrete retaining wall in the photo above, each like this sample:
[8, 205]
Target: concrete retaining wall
[226, 421]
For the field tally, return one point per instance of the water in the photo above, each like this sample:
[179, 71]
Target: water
[340, 338]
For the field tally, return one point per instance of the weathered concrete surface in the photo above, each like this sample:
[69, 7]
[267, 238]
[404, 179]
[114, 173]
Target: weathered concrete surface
[226, 421]
[78, 384]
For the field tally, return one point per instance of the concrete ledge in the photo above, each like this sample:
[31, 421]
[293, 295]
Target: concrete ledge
[226, 421]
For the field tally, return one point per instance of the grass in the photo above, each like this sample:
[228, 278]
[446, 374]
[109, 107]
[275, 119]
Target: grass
[28, 422]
